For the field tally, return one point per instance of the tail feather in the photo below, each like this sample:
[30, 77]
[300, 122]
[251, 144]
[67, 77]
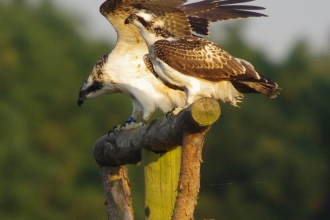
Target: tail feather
[262, 85]
[256, 83]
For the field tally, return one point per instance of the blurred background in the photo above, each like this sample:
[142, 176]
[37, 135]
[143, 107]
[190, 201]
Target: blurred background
[268, 159]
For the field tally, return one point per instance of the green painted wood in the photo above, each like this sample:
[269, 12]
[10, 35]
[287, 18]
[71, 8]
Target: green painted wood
[161, 182]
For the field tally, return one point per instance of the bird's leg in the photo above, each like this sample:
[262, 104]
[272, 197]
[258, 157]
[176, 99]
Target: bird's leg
[174, 112]
[177, 110]
[114, 130]
[169, 114]
[131, 123]
[119, 128]
[144, 122]
[128, 122]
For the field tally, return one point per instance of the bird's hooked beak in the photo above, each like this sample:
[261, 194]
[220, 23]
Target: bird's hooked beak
[129, 19]
[80, 101]
[82, 97]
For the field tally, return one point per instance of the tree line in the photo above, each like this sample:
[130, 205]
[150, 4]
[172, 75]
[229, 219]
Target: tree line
[268, 159]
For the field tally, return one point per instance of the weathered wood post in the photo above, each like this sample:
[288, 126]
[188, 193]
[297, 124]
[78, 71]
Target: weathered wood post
[161, 175]
[162, 135]
[117, 193]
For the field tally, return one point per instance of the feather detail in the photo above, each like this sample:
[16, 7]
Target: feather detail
[199, 66]
[203, 59]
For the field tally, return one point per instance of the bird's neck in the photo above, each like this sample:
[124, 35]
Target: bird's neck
[155, 34]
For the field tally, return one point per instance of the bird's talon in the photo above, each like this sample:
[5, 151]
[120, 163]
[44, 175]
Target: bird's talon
[115, 129]
[176, 111]
[169, 114]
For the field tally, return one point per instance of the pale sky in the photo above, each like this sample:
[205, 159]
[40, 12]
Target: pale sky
[288, 21]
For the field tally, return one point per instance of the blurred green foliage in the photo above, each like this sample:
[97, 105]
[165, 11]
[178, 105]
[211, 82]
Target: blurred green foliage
[268, 159]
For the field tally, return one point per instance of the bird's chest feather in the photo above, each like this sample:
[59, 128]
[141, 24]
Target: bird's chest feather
[130, 64]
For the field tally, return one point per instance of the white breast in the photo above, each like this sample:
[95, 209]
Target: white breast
[129, 72]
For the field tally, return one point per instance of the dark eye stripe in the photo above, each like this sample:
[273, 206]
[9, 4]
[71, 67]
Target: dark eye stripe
[94, 87]
[142, 21]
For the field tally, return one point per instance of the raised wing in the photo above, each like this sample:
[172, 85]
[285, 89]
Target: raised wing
[202, 59]
[116, 11]
[200, 14]
[216, 10]
[178, 19]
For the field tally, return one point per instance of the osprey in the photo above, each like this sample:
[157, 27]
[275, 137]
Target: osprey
[200, 67]
[123, 69]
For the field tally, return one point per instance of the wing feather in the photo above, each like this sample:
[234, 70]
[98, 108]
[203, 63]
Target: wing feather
[178, 19]
[116, 11]
[203, 59]
[222, 10]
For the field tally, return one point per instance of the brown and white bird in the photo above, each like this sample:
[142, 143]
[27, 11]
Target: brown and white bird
[200, 67]
[123, 69]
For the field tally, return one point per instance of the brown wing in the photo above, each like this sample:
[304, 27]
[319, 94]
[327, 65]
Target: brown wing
[175, 20]
[203, 59]
[178, 19]
[172, 3]
[222, 10]
[151, 69]
[200, 14]
[116, 11]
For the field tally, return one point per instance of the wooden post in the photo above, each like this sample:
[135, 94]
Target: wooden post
[205, 113]
[161, 175]
[162, 135]
[117, 193]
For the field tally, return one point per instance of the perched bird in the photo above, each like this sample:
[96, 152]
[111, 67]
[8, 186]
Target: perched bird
[123, 69]
[200, 67]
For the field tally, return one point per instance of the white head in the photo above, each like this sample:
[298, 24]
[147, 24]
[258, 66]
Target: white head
[144, 18]
[98, 83]
[150, 26]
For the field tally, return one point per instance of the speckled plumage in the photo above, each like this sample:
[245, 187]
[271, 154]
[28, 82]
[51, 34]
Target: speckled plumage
[182, 19]
[200, 67]
[123, 69]
[197, 57]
